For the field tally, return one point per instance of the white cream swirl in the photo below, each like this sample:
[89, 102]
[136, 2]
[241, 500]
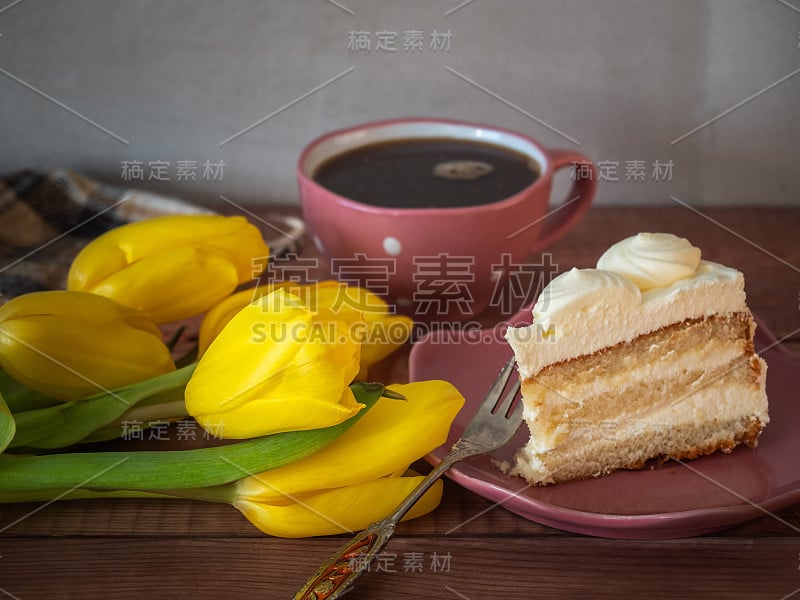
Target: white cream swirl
[647, 282]
[582, 290]
[651, 260]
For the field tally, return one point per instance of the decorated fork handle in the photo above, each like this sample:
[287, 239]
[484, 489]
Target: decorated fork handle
[337, 575]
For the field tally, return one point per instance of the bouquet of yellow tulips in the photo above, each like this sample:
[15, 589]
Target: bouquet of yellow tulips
[318, 451]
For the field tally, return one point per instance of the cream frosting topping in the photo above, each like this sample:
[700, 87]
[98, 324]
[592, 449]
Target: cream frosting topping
[584, 310]
[651, 260]
[583, 289]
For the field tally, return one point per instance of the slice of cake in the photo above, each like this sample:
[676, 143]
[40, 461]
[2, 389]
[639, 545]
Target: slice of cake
[648, 357]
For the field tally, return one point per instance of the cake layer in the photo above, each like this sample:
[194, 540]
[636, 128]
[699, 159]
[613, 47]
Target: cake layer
[648, 356]
[585, 310]
[728, 410]
[651, 447]
[620, 382]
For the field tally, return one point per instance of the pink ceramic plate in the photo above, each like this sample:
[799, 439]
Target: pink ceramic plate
[709, 494]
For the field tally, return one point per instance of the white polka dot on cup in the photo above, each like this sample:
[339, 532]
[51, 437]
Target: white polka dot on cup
[392, 246]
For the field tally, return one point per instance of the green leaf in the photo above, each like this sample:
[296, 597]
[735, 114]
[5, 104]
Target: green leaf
[20, 398]
[175, 337]
[392, 395]
[70, 422]
[188, 358]
[7, 425]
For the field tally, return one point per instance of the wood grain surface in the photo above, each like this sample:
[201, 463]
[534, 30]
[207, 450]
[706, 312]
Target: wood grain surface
[121, 549]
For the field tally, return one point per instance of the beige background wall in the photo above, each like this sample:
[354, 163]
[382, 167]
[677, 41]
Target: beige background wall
[624, 78]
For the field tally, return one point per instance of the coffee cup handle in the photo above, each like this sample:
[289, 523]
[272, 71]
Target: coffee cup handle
[562, 218]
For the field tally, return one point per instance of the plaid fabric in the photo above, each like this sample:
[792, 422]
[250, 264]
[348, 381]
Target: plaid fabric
[45, 219]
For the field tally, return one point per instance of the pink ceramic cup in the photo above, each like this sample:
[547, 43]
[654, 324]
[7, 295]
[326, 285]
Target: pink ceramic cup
[437, 263]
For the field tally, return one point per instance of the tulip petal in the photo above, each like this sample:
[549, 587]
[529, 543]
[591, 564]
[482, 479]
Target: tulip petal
[381, 335]
[75, 305]
[340, 510]
[338, 297]
[259, 341]
[384, 332]
[232, 237]
[392, 435]
[68, 345]
[258, 417]
[221, 313]
[333, 295]
[171, 267]
[276, 367]
[173, 285]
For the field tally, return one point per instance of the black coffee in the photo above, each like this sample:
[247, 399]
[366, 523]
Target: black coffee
[428, 173]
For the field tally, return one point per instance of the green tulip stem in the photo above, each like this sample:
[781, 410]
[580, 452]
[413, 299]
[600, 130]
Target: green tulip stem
[166, 406]
[11, 497]
[223, 494]
[220, 494]
[70, 422]
[144, 416]
[177, 469]
[166, 411]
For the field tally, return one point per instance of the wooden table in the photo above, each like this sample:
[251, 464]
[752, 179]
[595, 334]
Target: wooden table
[158, 549]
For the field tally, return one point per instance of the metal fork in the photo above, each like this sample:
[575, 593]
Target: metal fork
[494, 423]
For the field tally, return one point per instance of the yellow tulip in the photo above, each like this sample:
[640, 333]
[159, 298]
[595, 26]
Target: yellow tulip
[277, 366]
[385, 441]
[219, 315]
[68, 345]
[353, 481]
[341, 510]
[171, 267]
[383, 334]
